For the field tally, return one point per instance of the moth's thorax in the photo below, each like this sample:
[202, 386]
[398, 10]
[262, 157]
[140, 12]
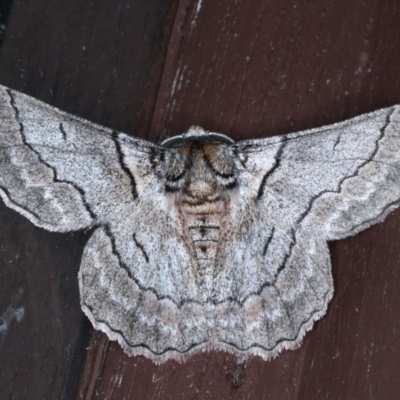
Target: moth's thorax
[199, 169]
[204, 182]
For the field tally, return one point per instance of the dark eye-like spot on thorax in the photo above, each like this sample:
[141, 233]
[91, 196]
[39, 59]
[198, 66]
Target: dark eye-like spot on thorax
[175, 174]
[220, 161]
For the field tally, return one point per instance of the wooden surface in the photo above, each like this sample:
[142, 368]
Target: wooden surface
[248, 69]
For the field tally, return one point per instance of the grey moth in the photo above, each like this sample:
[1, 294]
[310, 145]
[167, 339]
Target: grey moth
[200, 242]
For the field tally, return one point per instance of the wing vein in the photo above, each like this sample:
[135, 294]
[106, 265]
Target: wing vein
[141, 248]
[123, 165]
[268, 241]
[41, 160]
[260, 192]
[356, 172]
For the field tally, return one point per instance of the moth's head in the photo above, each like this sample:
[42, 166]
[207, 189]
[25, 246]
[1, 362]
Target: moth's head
[196, 133]
[199, 162]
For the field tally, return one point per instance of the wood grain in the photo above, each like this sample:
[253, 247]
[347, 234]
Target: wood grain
[246, 69]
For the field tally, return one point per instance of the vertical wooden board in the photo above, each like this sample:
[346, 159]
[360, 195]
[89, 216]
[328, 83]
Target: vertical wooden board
[249, 69]
[254, 69]
[101, 61]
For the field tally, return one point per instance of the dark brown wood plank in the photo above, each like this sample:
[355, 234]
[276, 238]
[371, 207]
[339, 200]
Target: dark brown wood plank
[248, 69]
[102, 61]
[259, 68]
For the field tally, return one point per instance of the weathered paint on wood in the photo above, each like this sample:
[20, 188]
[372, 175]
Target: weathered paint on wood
[243, 68]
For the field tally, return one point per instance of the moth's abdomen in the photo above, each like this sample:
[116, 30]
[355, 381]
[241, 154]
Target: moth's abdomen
[203, 222]
[205, 238]
[204, 225]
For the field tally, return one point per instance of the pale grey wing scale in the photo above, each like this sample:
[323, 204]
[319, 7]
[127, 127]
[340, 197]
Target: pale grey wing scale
[295, 192]
[336, 180]
[149, 311]
[138, 281]
[278, 314]
[60, 171]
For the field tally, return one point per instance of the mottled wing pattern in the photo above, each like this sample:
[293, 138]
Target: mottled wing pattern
[352, 166]
[138, 282]
[60, 171]
[296, 192]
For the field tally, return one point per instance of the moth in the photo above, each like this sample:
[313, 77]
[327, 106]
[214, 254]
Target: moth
[200, 242]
